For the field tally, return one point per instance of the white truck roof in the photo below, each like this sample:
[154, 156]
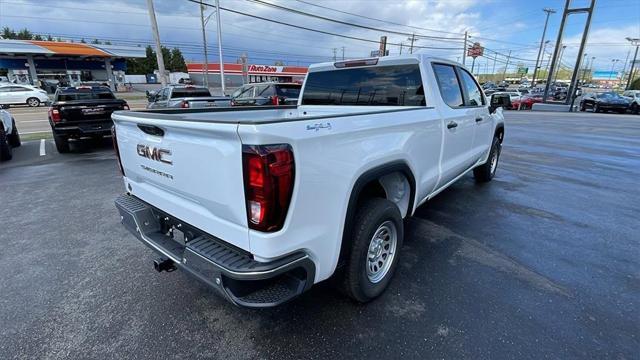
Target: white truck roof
[385, 60]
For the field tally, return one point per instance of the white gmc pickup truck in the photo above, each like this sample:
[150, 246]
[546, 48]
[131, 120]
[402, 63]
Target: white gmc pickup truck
[262, 203]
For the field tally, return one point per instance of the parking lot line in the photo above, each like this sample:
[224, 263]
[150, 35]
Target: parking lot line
[43, 151]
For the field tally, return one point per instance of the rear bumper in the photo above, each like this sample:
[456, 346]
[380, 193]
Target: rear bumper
[230, 271]
[83, 129]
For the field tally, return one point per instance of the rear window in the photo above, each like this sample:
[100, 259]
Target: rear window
[84, 94]
[399, 85]
[190, 92]
[288, 91]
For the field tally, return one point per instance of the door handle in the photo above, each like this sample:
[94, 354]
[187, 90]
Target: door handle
[478, 119]
[452, 125]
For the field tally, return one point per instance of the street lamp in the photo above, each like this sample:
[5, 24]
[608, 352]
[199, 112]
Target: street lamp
[613, 65]
[634, 42]
[560, 62]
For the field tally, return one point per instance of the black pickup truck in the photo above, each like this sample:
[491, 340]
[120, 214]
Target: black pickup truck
[82, 111]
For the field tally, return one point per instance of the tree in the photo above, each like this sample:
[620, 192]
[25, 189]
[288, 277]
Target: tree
[83, 41]
[24, 34]
[49, 38]
[177, 62]
[8, 33]
[96, 41]
[38, 37]
[635, 85]
[107, 42]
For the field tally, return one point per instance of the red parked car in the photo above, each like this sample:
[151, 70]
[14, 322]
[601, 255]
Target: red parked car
[527, 101]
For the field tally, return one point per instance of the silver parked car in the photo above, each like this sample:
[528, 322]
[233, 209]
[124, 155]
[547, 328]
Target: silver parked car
[185, 96]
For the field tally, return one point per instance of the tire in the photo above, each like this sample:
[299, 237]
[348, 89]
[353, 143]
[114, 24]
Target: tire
[6, 153]
[62, 143]
[634, 108]
[596, 108]
[33, 102]
[486, 172]
[14, 137]
[376, 220]
[582, 107]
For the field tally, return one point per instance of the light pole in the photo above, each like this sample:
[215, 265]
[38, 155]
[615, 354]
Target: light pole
[549, 11]
[156, 38]
[635, 42]
[204, 22]
[220, 45]
[584, 68]
[613, 64]
[560, 63]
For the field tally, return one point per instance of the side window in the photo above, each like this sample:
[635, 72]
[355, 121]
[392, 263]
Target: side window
[266, 92]
[247, 93]
[164, 94]
[474, 94]
[448, 84]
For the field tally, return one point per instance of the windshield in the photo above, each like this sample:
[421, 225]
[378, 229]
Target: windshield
[190, 92]
[288, 91]
[85, 94]
[608, 96]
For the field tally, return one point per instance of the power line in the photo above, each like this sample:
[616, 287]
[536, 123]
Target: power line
[314, 30]
[380, 20]
[299, 12]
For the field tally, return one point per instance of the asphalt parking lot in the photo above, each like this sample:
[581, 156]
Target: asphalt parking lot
[543, 262]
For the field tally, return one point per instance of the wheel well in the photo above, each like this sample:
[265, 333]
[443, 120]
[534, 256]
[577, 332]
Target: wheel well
[381, 181]
[499, 133]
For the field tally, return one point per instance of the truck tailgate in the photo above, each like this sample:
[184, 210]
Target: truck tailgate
[192, 171]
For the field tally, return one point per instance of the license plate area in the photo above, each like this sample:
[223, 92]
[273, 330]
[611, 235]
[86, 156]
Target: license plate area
[93, 111]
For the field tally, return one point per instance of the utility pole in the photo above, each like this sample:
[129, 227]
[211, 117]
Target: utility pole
[343, 53]
[412, 39]
[624, 68]
[549, 11]
[204, 41]
[400, 48]
[493, 72]
[464, 50]
[560, 61]
[220, 46]
[584, 68]
[504, 74]
[156, 37]
[335, 50]
[635, 42]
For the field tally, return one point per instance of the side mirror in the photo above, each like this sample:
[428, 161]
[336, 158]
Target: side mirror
[500, 100]
[151, 96]
[4, 106]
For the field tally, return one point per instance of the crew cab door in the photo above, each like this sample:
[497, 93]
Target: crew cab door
[459, 124]
[475, 101]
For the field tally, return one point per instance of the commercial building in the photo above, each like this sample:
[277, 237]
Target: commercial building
[51, 63]
[235, 76]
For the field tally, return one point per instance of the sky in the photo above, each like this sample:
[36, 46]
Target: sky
[498, 25]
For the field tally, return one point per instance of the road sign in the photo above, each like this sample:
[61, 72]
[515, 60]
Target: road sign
[522, 70]
[475, 50]
[376, 53]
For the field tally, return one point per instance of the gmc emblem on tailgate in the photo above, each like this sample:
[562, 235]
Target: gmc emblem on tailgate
[154, 153]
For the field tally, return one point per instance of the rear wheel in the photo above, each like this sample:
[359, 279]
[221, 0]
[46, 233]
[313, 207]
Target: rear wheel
[376, 240]
[596, 108]
[634, 108]
[486, 171]
[33, 102]
[582, 107]
[62, 143]
[14, 137]
[6, 153]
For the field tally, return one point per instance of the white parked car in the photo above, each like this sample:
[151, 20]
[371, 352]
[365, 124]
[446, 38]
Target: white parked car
[634, 98]
[260, 203]
[9, 137]
[14, 94]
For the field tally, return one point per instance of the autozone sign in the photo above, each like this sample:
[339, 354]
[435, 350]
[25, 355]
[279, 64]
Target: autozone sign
[265, 69]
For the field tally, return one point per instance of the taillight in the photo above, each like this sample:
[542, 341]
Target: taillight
[268, 184]
[184, 104]
[54, 114]
[114, 140]
[275, 100]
